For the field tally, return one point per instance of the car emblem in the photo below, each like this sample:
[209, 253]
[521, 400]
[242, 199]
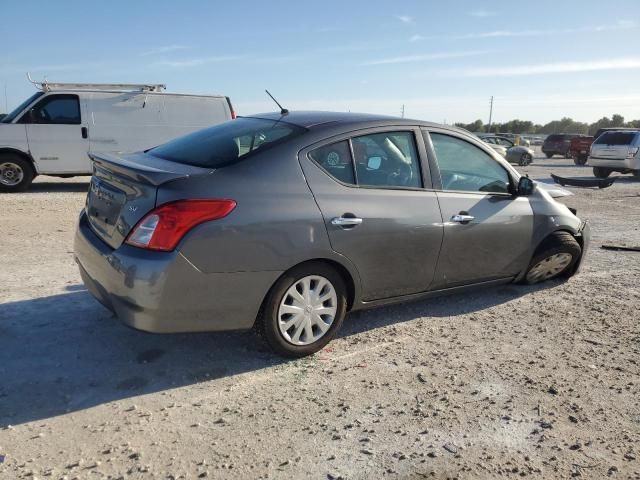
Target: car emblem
[133, 208]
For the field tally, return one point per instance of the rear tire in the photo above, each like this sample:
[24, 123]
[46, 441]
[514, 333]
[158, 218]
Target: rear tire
[549, 155]
[289, 320]
[636, 173]
[525, 160]
[16, 173]
[580, 160]
[556, 257]
[601, 172]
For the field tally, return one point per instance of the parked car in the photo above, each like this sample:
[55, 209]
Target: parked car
[615, 129]
[513, 153]
[558, 144]
[579, 149]
[616, 151]
[53, 131]
[321, 214]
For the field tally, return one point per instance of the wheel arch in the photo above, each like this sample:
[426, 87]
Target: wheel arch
[25, 155]
[344, 272]
[541, 245]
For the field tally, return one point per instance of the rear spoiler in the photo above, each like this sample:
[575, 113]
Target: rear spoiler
[144, 168]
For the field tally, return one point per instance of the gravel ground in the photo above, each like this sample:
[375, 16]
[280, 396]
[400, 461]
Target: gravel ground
[514, 381]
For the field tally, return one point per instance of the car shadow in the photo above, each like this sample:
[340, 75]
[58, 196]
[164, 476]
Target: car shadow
[58, 186]
[65, 352]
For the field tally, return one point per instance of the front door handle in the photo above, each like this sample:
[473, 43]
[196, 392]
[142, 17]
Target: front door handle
[462, 217]
[85, 132]
[346, 221]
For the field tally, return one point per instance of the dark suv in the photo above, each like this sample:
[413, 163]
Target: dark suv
[558, 144]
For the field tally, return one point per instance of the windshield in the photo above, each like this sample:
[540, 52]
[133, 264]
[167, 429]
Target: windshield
[616, 138]
[18, 110]
[226, 143]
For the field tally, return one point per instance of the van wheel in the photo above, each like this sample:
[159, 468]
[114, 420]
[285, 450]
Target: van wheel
[16, 173]
[557, 255]
[549, 155]
[304, 310]
[601, 172]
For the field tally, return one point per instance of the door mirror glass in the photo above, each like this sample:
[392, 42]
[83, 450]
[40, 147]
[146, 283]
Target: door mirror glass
[526, 186]
[374, 163]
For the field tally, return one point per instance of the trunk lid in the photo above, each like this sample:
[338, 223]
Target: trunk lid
[123, 189]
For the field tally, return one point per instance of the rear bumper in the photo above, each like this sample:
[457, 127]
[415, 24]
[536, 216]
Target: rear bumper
[163, 292]
[621, 164]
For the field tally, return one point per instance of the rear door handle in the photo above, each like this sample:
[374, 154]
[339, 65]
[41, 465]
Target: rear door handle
[462, 218]
[346, 221]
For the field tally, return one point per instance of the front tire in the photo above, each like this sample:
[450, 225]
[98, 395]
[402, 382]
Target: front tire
[304, 310]
[16, 173]
[601, 172]
[556, 257]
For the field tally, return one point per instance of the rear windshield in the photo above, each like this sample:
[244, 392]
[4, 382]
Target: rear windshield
[556, 138]
[227, 143]
[616, 138]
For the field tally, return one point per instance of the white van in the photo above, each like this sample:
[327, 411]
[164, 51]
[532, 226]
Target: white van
[53, 132]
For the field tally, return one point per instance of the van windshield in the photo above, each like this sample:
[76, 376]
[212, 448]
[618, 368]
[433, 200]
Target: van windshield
[227, 143]
[616, 138]
[18, 110]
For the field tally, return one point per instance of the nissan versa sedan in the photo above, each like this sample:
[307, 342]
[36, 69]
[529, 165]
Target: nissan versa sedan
[284, 223]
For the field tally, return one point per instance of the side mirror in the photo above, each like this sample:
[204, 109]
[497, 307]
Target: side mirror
[525, 186]
[374, 163]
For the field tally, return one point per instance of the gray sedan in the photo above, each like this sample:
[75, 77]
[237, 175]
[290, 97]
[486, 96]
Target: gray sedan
[519, 154]
[284, 223]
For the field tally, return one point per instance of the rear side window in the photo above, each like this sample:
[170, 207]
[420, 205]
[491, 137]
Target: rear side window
[227, 143]
[55, 110]
[556, 138]
[616, 138]
[387, 159]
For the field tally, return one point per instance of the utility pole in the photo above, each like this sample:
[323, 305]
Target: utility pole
[490, 113]
[402, 114]
[6, 103]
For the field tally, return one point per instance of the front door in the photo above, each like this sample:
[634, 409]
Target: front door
[487, 230]
[57, 135]
[371, 191]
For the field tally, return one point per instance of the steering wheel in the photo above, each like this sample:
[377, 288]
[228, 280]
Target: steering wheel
[402, 175]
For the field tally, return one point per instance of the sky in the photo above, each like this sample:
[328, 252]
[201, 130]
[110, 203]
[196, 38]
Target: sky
[442, 60]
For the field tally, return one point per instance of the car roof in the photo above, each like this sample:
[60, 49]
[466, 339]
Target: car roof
[314, 119]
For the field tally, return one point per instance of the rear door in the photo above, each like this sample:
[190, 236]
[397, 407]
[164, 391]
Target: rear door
[379, 207]
[57, 134]
[487, 230]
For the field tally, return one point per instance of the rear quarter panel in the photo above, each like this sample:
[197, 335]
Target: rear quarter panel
[275, 225]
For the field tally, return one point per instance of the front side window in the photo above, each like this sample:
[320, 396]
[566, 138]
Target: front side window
[227, 142]
[388, 159]
[465, 167]
[55, 110]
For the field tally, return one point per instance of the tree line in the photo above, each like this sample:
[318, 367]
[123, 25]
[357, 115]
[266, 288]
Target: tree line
[565, 125]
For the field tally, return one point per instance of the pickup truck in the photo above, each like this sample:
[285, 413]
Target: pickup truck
[579, 149]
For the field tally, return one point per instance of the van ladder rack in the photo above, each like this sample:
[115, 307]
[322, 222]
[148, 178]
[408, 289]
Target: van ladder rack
[135, 87]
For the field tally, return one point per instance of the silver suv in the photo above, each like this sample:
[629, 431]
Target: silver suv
[616, 151]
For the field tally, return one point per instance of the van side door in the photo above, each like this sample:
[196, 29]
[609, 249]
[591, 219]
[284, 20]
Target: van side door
[57, 135]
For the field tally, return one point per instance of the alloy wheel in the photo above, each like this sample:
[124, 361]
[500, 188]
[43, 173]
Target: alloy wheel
[307, 310]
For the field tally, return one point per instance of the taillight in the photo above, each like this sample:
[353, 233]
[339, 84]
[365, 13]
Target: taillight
[163, 227]
[632, 152]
